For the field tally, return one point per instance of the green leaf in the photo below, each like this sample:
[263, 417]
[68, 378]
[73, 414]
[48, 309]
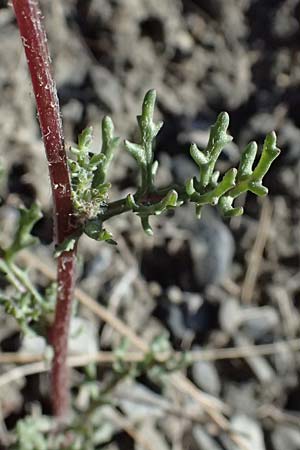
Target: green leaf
[160, 344]
[137, 152]
[269, 153]
[198, 156]
[67, 245]
[169, 201]
[258, 189]
[189, 187]
[146, 225]
[218, 134]
[96, 159]
[23, 238]
[247, 160]
[228, 181]
[226, 208]
[207, 159]
[109, 145]
[154, 168]
[143, 152]
[89, 172]
[214, 178]
[106, 236]
[85, 139]
[131, 203]
[94, 229]
[149, 129]
[212, 197]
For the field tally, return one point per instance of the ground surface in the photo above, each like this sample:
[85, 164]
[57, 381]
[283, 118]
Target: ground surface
[208, 284]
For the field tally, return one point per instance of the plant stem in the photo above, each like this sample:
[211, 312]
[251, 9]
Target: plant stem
[25, 281]
[34, 40]
[6, 269]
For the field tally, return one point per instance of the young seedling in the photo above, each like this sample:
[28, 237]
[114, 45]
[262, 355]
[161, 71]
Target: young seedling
[81, 191]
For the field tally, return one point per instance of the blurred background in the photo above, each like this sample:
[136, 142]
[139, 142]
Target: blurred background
[206, 284]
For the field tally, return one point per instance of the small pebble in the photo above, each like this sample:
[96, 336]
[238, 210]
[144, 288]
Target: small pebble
[206, 377]
[249, 432]
[83, 336]
[211, 246]
[286, 438]
[203, 440]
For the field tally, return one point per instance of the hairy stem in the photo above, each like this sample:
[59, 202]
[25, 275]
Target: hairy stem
[34, 40]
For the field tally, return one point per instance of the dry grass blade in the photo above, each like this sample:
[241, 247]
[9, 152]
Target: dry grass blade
[22, 371]
[257, 252]
[212, 354]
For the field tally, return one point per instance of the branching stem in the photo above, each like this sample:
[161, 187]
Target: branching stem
[29, 19]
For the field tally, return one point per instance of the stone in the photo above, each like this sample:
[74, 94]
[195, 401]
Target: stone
[257, 322]
[83, 336]
[32, 343]
[203, 440]
[249, 432]
[139, 402]
[206, 376]
[211, 245]
[286, 437]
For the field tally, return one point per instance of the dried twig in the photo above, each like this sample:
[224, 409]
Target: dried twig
[19, 372]
[257, 252]
[279, 416]
[211, 354]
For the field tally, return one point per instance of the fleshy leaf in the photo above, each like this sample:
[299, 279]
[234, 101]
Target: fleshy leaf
[23, 237]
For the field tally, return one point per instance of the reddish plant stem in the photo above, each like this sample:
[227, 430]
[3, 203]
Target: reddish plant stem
[60, 332]
[29, 19]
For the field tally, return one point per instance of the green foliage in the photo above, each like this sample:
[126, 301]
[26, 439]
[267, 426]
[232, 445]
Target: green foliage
[90, 194]
[89, 186]
[29, 434]
[206, 189]
[23, 307]
[23, 301]
[143, 152]
[90, 189]
[89, 171]
[41, 433]
[23, 237]
[109, 145]
[143, 211]
[156, 363]
[67, 245]
[249, 179]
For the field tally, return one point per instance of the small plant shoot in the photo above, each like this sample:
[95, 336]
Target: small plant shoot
[89, 173]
